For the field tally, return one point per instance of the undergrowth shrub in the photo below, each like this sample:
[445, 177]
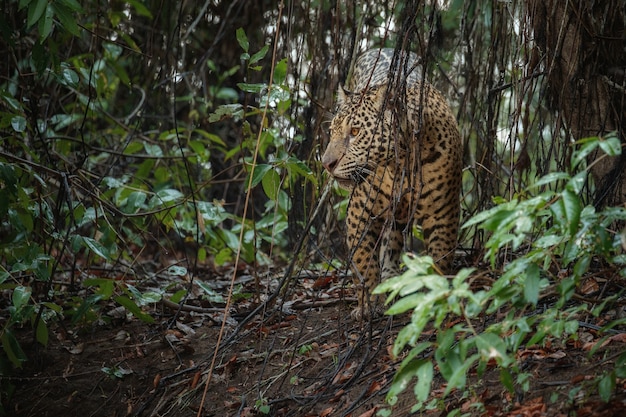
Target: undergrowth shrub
[103, 181]
[545, 242]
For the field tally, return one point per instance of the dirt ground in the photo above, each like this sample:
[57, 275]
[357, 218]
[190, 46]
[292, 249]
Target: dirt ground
[303, 356]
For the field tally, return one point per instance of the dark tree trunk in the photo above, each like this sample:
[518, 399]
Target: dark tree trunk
[581, 46]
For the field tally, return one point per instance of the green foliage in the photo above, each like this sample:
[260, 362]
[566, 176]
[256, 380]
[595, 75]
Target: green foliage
[91, 184]
[557, 232]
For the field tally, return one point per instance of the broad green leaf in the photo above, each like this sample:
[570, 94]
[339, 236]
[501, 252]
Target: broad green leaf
[133, 308]
[169, 194]
[140, 8]
[611, 145]
[20, 296]
[153, 149]
[133, 148]
[606, 386]
[10, 100]
[280, 71]
[45, 24]
[271, 184]
[18, 123]
[577, 182]
[178, 296]
[226, 111]
[252, 88]
[492, 346]
[549, 179]
[258, 174]
[572, 208]
[12, 348]
[259, 55]
[177, 270]
[96, 247]
[531, 284]
[424, 374]
[459, 374]
[70, 77]
[23, 3]
[242, 39]
[66, 17]
[507, 379]
[151, 297]
[35, 11]
[588, 145]
[42, 332]
[407, 303]
[75, 6]
[211, 294]
[105, 286]
[620, 366]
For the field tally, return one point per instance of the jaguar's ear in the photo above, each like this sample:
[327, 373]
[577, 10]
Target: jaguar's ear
[342, 95]
[381, 95]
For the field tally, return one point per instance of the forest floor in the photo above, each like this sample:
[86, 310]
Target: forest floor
[302, 357]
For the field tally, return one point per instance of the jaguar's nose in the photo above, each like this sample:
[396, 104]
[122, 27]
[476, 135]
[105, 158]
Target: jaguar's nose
[329, 161]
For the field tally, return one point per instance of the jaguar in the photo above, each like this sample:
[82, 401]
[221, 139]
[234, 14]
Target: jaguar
[395, 145]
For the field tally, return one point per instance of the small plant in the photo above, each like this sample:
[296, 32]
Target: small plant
[262, 406]
[558, 233]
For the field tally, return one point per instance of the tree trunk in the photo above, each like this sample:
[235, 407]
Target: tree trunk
[581, 46]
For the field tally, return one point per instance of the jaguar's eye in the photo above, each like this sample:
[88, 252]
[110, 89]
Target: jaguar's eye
[354, 131]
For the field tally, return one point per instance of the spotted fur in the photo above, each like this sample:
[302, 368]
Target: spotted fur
[395, 144]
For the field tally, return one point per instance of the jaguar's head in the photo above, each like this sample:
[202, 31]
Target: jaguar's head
[361, 137]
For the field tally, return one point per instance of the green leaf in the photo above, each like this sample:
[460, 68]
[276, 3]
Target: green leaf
[611, 145]
[588, 146]
[271, 184]
[566, 212]
[133, 148]
[577, 182]
[18, 123]
[280, 71]
[226, 111]
[242, 39]
[492, 346]
[550, 178]
[140, 8]
[45, 24]
[42, 332]
[35, 11]
[74, 6]
[424, 374]
[403, 377]
[95, 246]
[258, 174]
[105, 286]
[507, 379]
[133, 308]
[23, 3]
[252, 88]
[12, 348]
[66, 18]
[11, 101]
[606, 386]
[20, 296]
[70, 77]
[177, 270]
[259, 55]
[531, 284]
[211, 294]
[168, 195]
[178, 296]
